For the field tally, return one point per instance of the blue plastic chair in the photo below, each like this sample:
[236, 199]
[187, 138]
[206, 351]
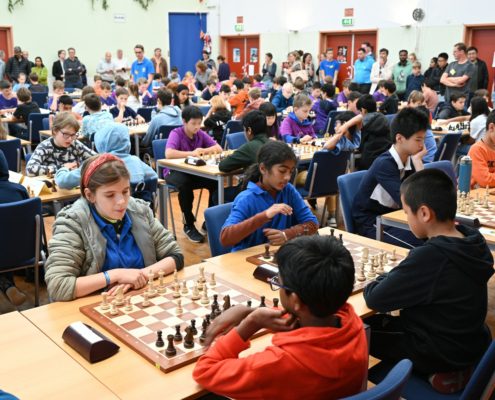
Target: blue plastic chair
[445, 166]
[204, 109]
[236, 140]
[348, 187]
[389, 388]
[145, 112]
[146, 190]
[35, 125]
[390, 118]
[46, 123]
[215, 217]
[164, 131]
[331, 121]
[20, 238]
[323, 172]
[418, 388]
[12, 150]
[447, 147]
[231, 127]
[40, 98]
[439, 106]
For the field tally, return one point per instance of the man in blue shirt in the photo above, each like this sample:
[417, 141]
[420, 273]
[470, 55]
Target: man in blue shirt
[142, 67]
[329, 67]
[362, 71]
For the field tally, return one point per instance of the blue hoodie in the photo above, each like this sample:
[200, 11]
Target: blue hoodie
[280, 102]
[112, 138]
[168, 116]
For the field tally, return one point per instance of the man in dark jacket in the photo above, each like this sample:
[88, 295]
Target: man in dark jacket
[480, 77]
[73, 70]
[17, 64]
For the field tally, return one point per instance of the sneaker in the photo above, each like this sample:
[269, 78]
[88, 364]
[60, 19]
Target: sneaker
[192, 234]
[203, 229]
[15, 296]
[313, 204]
[450, 382]
[332, 222]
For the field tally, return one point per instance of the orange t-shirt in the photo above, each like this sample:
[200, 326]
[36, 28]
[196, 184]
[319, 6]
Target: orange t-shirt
[483, 159]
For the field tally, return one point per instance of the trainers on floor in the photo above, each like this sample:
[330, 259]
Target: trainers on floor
[332, 222]
[192, 234]
[15, 296]
[203, 229]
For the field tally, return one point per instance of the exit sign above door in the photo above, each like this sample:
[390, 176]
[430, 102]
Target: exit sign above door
[347, 21]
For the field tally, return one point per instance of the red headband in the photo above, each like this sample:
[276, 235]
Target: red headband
[97, 163]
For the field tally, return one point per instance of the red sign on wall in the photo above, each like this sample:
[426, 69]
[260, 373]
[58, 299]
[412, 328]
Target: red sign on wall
[348, 12]
[240, 20]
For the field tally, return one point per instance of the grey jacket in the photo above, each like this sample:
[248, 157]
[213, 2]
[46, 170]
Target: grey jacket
[78, 247]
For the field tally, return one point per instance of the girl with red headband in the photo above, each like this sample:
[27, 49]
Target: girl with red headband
[107, 239]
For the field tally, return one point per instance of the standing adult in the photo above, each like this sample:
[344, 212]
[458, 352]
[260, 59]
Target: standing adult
[269, 70]
[58, 71]
[368, 48]
[458, 74]
[2, 64]
[294, 64]
[362, 71]
[159, 63]
[329, 67]
[307, 64]
[381, 70]
[25, 53]
[73, 70]
[223, 69]
[40, 70]
[210, 63]
[400, 72]
[443, 63]
[17, 64]
[141, 67]
[122, 66]
[480, 77]
[106, 68]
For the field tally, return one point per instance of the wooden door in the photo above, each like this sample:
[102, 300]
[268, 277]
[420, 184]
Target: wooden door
[361, 37]
[241, 52]
[252, 55]
[342, 52]
[483, 39]
[235, 55]
[6, 42]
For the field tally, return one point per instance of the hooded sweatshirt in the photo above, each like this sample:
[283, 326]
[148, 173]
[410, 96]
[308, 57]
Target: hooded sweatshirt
[375, 138]
[168, 116]
[112, 138]
[293, 127]
[441, 289]
[9, 191]
[308, 363]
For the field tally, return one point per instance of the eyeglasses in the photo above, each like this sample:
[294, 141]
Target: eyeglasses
[276, 285]
[71, 136]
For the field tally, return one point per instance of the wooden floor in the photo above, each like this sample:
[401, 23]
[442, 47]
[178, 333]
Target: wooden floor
[193, 254]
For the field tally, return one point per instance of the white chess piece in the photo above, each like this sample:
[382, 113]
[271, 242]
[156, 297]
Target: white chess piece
[213, 282]
[113, 308]
[104, 303]
[146, 301]
[176, 293]
[184, 288]
[161, 285]
[204, 298]
[179, 309]
[119, 298]
[361, 277]
[128, 305]
[195, 293]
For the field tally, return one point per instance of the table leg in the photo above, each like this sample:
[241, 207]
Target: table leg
[220, 190]
[162, 205]
[379, 228]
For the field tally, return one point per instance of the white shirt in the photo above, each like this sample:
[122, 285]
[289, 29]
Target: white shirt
[122, 63]
[379, 73]
[104, 66]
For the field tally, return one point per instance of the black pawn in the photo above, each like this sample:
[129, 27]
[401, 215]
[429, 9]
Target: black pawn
[340, 238]
[207, 319]
[159, 340]
[193, 327]
[213, 313]
[262, 301]
[170, 351]
[249, 303]
[177, 336]
[189, 338]
[215, 300]
[275, 302]
[226, 303]
[203, 332]
[332, 232]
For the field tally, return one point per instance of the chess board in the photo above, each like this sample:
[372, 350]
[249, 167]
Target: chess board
[485, 216]
[356, 249]
[138, 328]
[214, 159]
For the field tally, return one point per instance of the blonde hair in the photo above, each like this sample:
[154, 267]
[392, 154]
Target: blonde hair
[58, 85]
[254, 93]
[416, 97]
[217, 103]
[302, 100]
[64, 119]
[416, 64]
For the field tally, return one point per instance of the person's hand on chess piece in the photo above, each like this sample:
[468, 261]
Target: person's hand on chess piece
[275, 236]
[199, 152]
[306, 139]
[130, 278]
[71, 165]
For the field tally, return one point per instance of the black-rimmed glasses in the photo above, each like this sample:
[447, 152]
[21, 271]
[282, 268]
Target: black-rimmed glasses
[276, 285]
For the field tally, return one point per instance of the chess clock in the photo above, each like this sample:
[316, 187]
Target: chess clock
[418, 14]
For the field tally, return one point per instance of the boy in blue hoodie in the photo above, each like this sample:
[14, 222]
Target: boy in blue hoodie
[440, 288]
[322, 108]
[112, 138]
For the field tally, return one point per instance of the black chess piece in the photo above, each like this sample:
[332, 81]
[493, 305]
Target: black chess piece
[213, 313]
[207, 319]
[332, 232]
[226, 302]
[275, 302]
[177, 336]
[262, 301]
[170, 350]
[159, 340]
[189, 338]
[193, 327]
[215, 300]
[340, 238]
[249, 303]
[266, 256]
[203, 332]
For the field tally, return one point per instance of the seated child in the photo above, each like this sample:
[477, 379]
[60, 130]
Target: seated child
[477, 121]
[390, 104]
[240, 99]
[167, 115]
[21, 82]
[80, 107]
[322, 108]
[107, 239]
[210, 90]
[65, 105]
[8, 101]
[284, 98]
[482, 154]
[25, 105]
[378, 95]
[343, 96]
[345, 140]
[35, 86]
[106, 95]
[299, 86]
[352, 100]
[255, 101]
[270, 112]
[277, 84]
[121, 113]
[296, 124]
[97, 81]
[270, 209]
[225, 93]
[315, 92]
[415, 80]
[258, 82]
[484, 94]
[181, 97]
[156, 83]
[431, 96]
[134, 101]
[190, 140]
[112, 138]
[379, 191]
[61, 150]
[454, 112]
[145, 97]
[58, 90]
[96, 119]
[440, 288]
[120, 83]
[174, 75]
[318, 352]
[217, 117]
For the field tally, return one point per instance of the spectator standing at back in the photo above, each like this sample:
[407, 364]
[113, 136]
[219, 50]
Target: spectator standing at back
[443, 62]
[415, 80]
[141, 67]
[381, 70]
[106, 68]
[329, 67]
[458, 74]
[122, 66]
[58, 66]
[73, 70]
[362, 71]
[400, 72]
[159, 63]
[479, 79]
[269, 70]
[17, 64]
[2, 64]
[223, 69]
[210, 63]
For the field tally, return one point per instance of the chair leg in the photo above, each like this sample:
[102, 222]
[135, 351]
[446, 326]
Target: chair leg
[197, 205]
[323, 212]
[36, 285]
[172, 220]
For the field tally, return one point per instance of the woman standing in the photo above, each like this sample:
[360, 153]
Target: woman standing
[307, 64]
[40, 70]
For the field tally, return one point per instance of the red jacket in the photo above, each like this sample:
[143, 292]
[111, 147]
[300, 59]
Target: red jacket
[309, 363]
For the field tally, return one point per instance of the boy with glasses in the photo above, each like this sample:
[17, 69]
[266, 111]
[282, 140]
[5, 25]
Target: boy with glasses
[319, 347]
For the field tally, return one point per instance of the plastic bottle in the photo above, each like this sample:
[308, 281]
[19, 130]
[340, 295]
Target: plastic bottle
[465, 169]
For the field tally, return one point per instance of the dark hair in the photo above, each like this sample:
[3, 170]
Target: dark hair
[354, 95]
[174, 69]
[280, 80]
[328, 89]
[361, 49]
[182, 87]
[269, 55]
[255, 120]
[238, 84]
[139, 46]
[354, 87]
[320, 270]
[471, 48]
[390, 86]
[4, 85]
[119, 81]
[435, 60]
[60, 52]
[428, 82]
[417, 191]
[246, 80]
[384, 50]
[479, 106]
[66, 100]
[304, 57]
[157, 76]
[445, 56]
[257, 78]
[33, 77]
[270, 154]
[121, 91]
[461, 46]
[210, 82]
[345, 116]
[191, 112]
[105, 86]
[221, 58]
[317, 85]
[481, 93]
[269, 110]
[93, 102]
[109, 172]
[225, 88]
[42, 65]
[408, 122]
[456, 96]
[403, 51]
[367, 102]
[165, 96]
[24, 94]
[490, 119]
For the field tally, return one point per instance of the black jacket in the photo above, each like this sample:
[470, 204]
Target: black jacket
[375, 139]
[482, 75]
[441, 290]
[216, 123]
[57, 71]
[9, 191]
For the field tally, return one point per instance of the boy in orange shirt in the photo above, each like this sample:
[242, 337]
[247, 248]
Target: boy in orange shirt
[240, 99]
[482, 154]
[318, 352]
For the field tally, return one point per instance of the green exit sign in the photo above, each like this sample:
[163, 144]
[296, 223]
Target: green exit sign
[347, 21]
[239, 27]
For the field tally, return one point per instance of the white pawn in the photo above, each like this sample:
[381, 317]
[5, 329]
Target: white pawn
[161, 285]
[176, 279]
[202, 274]
[119, 298]
[146, 301]
[184, 288]
[179, 309]
[128, 305]
[213, 282]
[365, 254]
[361, 277]
[113, 308]
[104, 303]
[195, 293]
[394, 257]
[176, 293]
[204, 299]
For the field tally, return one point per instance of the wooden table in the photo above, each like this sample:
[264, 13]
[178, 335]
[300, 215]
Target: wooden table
[136, 132]
[24, 143]
[58, 197]
[34, 367]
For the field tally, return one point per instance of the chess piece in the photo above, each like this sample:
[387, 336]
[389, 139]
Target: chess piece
[178, 335]
[176, 293]
[195, 293]
[332, 232]
[275, 302]
[189, 338]
[104, 303]
[200, 285]
[179, 309]
[176, 279]
[184, 288]
[394, 257]
[151, 287]
[202, 337]
[202, 274]
[171, 350]
[371, 272]
[159, 340]
[341, 240]
[146, 301]
[161, 285]
[215, 300]
[361, 277]
[193, 327]
[207, 319]
[204, 298]
[266, 255]
[226, 302]
[262, 301]
[249, 303]
[54, 187]
[113, 308]
[119, 298]
[128, 305]
[366, 252]
[213, 282]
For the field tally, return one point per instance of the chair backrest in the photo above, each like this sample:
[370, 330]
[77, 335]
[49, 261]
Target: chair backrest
[390, 118]
[481, 377]
[159, 147]
[145, 112]
[391, 387]
[348, 187]
[20, 233]
[439, 106]
[46, 123]
[12, 150]
[445, 166]
[236, 140]
[35, 125]
[323, 171]
[447, 147]
[215, 218]
[204, 109]
[264, 94]
[164, 131]
[40, 98]
[69, 90]
[27, 157]
[145, 190]
[231, 127]
[331, 121]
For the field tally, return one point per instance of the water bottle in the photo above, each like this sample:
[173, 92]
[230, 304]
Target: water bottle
[465, 168]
